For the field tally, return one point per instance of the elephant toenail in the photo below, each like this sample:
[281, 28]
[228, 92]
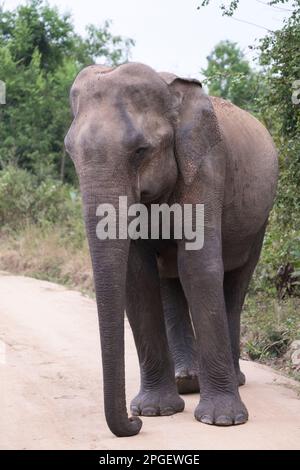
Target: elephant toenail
[240, 419]
[223, 421]
[149, 412]
[135, 411]
[206, 419]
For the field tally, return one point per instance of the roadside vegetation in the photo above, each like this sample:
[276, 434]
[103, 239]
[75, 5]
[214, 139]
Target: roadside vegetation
[41, 228]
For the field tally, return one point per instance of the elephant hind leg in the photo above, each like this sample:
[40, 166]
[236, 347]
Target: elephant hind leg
[236, 284]
[180, 335]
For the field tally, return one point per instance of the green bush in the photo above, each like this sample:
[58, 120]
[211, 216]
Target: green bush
[23, 201]
[16, 196]
[269, 326]
[281, 248]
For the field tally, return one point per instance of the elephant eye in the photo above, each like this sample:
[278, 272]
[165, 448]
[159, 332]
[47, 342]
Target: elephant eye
[140, 152]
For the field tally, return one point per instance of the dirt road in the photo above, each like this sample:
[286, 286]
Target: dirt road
[51, 385]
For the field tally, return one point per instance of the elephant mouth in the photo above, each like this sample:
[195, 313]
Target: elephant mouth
[148, 197]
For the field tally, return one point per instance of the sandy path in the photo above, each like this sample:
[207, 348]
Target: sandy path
[51, 390]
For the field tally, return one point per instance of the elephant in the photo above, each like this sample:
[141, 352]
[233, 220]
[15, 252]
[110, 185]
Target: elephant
[160, 139]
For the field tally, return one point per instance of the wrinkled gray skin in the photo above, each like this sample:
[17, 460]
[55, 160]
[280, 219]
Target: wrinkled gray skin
[159, 138]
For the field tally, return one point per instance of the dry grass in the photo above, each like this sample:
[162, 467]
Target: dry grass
[47, 254]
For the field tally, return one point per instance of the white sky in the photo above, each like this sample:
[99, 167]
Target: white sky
[173, 35]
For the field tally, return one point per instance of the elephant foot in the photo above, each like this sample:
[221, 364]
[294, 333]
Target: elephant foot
[187, 380]
[157, 403]
[222, 410]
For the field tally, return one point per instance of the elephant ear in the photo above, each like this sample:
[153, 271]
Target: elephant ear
[196, 125]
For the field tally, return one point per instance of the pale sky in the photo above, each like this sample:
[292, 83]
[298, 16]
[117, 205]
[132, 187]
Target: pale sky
[172, 35]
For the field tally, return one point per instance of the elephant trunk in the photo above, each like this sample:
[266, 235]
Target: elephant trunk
[109, 260]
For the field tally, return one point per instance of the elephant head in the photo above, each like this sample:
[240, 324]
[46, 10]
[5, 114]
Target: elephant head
[135, 133]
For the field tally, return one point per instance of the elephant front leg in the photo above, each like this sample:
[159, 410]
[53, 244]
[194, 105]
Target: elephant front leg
[201, 274]
[158, 393]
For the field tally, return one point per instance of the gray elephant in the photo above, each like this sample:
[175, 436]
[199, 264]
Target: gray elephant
[157, 138]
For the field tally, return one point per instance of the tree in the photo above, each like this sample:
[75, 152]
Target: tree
[228, 8]
[280, 57]
[40, 55]
[100, 45]
[36, 26]
[229, 75]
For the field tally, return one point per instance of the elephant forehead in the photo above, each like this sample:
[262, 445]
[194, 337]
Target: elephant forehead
[141, 95]
[138, 92]
[131, 83]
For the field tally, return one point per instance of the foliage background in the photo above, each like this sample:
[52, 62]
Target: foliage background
[40, 55]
